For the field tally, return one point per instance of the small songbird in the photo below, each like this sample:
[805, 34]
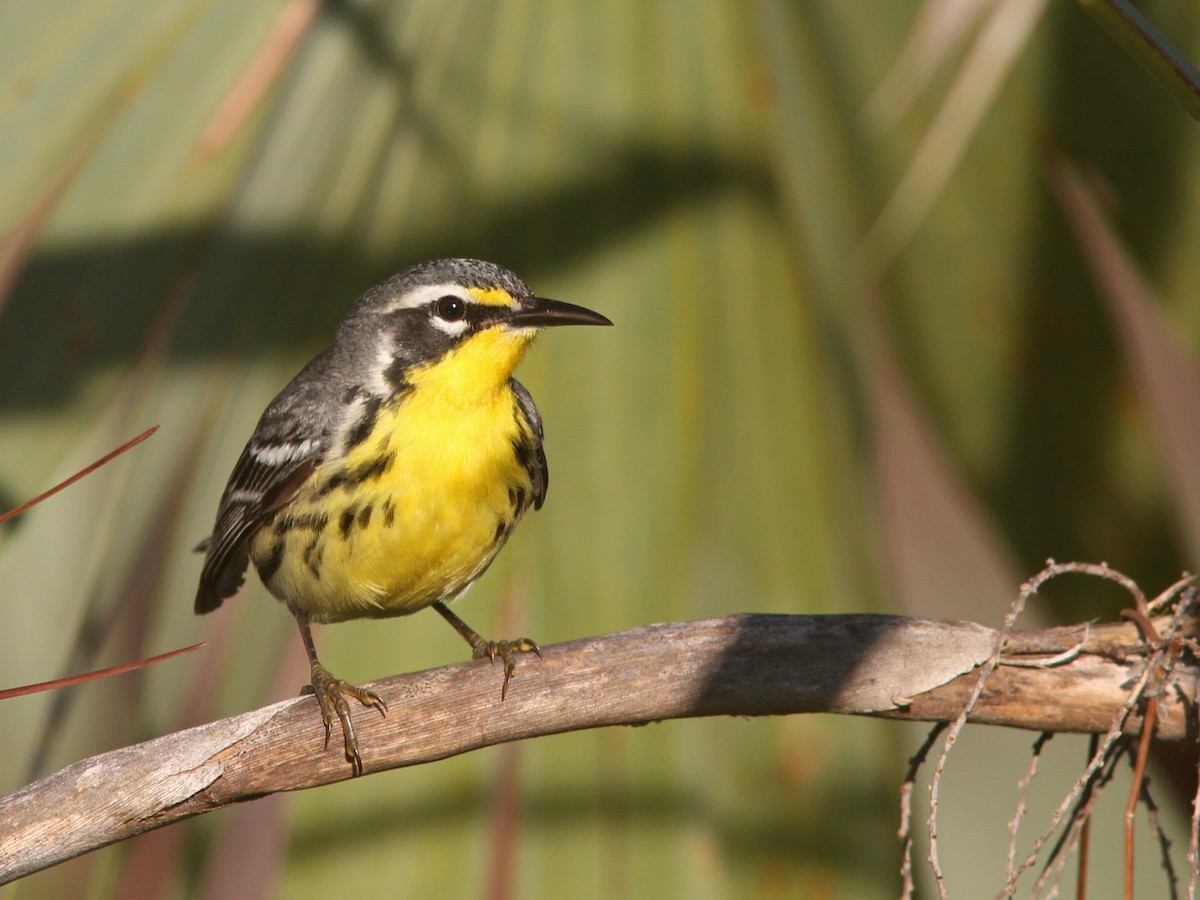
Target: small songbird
[388, 474]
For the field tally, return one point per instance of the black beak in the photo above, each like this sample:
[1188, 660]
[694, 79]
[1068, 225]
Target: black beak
[538, 312]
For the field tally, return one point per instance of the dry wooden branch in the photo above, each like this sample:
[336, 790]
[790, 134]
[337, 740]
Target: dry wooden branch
[739, 665]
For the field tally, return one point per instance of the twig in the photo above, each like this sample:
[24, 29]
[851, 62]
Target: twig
[1085, 834]
[1082, 789]
[92, 676]
[1164, 843]
[905, 832]
[87, 470]
[1022, 797]
[1018, 606]
[1097, 762]
[960, 721]
[1079, 817]
[1139, 773]
[1141, 617]
[1168, 596]
[1050, 661]
[1194, 842]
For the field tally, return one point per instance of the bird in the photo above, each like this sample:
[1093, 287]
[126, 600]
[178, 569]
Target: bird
[387, 475]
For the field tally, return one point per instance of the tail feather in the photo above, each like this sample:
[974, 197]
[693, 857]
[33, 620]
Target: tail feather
[219, 582]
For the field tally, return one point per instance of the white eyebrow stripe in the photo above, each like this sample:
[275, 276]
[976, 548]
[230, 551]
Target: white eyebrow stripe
[427, 294]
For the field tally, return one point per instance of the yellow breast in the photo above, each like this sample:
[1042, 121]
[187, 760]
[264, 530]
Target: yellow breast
[418, 509]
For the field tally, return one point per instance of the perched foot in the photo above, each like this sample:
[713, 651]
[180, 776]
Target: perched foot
[481, 648]
[507, 651]
[331, 694]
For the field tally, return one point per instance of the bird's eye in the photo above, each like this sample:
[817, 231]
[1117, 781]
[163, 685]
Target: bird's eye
[449, 308]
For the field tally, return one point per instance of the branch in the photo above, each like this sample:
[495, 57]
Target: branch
[743, 665]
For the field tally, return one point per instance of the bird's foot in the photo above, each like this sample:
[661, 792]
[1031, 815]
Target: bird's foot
[331, 694]
[506, 651]
[482, 648]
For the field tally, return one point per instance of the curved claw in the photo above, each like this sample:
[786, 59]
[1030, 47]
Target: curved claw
[507, 651]
[481, 647]
[331, 694]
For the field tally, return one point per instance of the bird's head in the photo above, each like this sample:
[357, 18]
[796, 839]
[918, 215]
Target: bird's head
[464, 321]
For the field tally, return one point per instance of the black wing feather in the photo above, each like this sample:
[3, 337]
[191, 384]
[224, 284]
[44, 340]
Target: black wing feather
[540, 471]
[289, 443]
[255, 490]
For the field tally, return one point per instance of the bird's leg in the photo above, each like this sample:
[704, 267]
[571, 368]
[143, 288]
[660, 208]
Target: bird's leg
[331, 694]
[482, 648]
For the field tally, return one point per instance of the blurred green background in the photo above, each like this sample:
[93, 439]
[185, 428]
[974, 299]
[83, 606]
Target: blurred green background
[905, 297]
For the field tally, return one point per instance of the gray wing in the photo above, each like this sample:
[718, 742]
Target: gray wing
[536, 463]
[291, 440]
